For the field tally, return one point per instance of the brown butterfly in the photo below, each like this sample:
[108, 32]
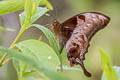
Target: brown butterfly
[75, 34]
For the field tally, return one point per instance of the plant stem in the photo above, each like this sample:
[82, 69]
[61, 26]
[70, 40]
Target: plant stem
[22, 30]
[61, 66]
[7, 60]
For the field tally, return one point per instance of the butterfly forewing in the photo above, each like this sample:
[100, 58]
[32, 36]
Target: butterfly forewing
[77, 32]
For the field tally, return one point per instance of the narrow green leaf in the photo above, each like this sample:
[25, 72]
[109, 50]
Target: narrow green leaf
[117, 69]
[40, 66]
[6, 29]
[1, 55]
[64, 54]
[28, 11]
[40, 51]
[110, 73]
[39, 12]
[28, 7]
[30, 78]
[8, 6]
[16, 64]
[47, 4]
[22, 68]
[27, 73]
[68, 68]
[51, 39]
[35, 4]
[40, 38]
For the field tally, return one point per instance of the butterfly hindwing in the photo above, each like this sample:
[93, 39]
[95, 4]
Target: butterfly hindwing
[75, 34]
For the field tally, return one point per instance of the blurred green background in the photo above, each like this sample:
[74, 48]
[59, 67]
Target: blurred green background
[108, 38]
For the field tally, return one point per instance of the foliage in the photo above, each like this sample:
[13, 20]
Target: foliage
[117, 69]
[8, 6]
[37, 50]
[39, 12]
[38, 65]
[36, 56]
[51, 39]
[6, 29]
[31, 55]
[1, 54]
[109, 71]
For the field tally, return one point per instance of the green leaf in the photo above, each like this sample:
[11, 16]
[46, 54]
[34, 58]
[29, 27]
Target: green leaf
[28, 72]
[8, 6]
[1, 55]
[47, 4]
[110, 73]
[40, 51]
[35, 4]
[117, 69]
[30, 78]
[38, 65]
[28, 7]
[50, 36]
[51, 39]
[20, 67]
[39, 12]
[68, 68]
[6, 29]
[40, 38]
[16, 64]
[64, 54]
